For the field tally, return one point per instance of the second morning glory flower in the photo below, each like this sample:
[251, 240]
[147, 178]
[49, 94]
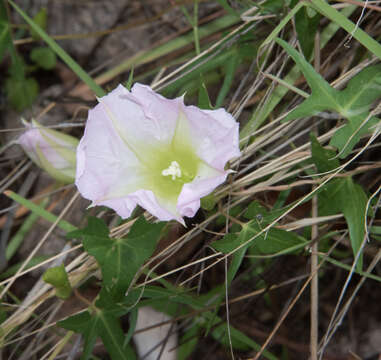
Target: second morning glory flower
[140, 148]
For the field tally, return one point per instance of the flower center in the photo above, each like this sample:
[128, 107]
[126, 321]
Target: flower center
[173, 170]
[168, 168]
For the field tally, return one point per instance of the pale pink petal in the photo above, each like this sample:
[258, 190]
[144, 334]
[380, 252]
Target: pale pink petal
[161, 111]
[163, 210]
[142, 114]
[215, 135]
[103, 160]
[205, 182]
[28, 141]
[124, 206]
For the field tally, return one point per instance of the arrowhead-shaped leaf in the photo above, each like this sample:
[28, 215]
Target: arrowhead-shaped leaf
[353, 202]
[104, 324]
[84, 324]
[323, 96]
[353, 103]
[344, 196]
[323, 158]
[119, 259]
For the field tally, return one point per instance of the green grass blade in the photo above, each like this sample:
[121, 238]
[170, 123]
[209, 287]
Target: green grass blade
[372, 45]
[64, 225]
[18, 238]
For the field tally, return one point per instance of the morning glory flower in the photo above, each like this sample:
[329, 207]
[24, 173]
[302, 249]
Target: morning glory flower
[51, 150]
[140, 148]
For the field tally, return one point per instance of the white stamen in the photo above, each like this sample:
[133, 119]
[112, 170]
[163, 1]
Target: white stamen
[173, 170]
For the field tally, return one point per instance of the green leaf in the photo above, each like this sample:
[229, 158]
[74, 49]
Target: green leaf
[263, 217]
[328, 198]
[113, 338]
[41, 19]
[323, 158]
[229, 69]
[130, 80]
[344, 196]
[188, 342]
[5, 40]
[21, 92]
[362, 90]
[17, 70]
[273, 6]
[348, 136]
[274, 240]
[84, 324]
[228, 244]
[44, 57]
[78, 322]
[234, 211]
[239, 254]
[375, 230]
[133, 318]
[95, 228]
[323, 96]
[353, 103]
[5, 35]
[203, 96]
[255, 210]
[57, 276]
[103, 324]
[238, 338]
[119, 259]
[220, 334]
[306, 27]
[208, 202]
[259, 115]
[352, 201]
[270, 242]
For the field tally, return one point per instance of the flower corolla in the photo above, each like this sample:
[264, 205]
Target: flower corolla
[51, 150]
[140, 148]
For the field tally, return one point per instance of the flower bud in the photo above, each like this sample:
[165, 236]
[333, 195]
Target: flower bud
[51, 150]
